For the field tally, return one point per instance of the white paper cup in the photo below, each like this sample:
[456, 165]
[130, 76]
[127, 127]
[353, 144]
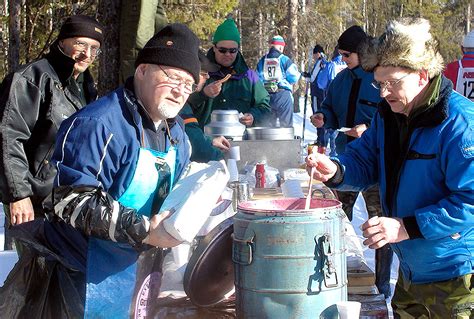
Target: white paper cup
[234, 153]
[233, 170]
[348, 309]
[292, 189]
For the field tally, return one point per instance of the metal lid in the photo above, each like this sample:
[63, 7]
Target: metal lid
[209, 275]
[289, 207]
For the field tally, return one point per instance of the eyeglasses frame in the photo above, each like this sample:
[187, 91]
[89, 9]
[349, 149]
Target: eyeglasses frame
[385, 86]
[84, 47]
[180, 82]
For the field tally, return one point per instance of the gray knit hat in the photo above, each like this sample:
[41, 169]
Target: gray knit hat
[406, 43]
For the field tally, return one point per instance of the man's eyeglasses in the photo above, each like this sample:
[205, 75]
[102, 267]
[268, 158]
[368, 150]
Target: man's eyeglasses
[346, 54]
[387, 84]
[84, 47]
[225, 50]
[175, 81]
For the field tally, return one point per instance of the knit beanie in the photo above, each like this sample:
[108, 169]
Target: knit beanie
[318, 49]
[468, 41]
[351, 39]
[81, 26]
[175, 45]
[277, 40]
[227, 30]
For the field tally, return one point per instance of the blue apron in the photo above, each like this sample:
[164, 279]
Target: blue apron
[120, 280]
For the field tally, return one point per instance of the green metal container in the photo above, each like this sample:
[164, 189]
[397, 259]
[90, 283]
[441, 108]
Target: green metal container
[289, 262]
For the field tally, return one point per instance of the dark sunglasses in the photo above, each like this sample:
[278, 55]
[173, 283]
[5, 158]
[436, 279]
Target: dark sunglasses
[225, 50]
[345, 54]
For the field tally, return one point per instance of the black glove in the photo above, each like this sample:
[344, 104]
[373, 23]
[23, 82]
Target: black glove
[305, 74]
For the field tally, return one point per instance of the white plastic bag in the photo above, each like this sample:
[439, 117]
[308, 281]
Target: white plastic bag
[193, 198]
[354, 250]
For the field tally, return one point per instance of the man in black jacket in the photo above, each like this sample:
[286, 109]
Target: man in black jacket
[34, 101]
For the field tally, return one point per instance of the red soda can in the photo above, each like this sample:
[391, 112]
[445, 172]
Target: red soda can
[260, 175]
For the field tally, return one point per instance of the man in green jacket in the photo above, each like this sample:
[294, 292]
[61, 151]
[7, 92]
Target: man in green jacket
[242, 92]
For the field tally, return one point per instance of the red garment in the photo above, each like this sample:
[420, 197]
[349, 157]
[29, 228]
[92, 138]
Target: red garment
[451, 71]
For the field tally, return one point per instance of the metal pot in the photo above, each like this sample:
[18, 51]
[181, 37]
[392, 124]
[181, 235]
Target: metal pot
[233, 130]
[225, 123]
[227, 116]
[270, 133]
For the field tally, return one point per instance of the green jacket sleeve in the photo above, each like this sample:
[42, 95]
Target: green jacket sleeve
[200, 107]
[202, 149]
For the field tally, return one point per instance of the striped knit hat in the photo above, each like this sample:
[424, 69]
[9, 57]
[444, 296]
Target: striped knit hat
[277, 40]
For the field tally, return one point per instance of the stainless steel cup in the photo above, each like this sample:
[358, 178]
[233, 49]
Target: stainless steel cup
[241, 193]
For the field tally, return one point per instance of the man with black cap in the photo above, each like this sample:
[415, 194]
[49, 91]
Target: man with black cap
[117, 160]
[34, 101]
[123, 132]
[351, 102]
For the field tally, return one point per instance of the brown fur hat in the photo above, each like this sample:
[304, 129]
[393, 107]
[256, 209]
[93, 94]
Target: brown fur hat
[406, 43]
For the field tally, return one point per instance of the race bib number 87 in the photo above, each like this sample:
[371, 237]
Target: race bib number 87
[272, 70]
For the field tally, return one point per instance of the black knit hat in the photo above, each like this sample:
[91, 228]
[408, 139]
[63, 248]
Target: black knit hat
[318, 49]
[351, 39]
[81, 26]
[175, 45]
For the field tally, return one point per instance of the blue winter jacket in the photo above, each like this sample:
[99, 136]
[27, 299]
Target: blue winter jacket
[433, 188]
[289, 70]
[331, 70]
[336, 104]
[98, 146]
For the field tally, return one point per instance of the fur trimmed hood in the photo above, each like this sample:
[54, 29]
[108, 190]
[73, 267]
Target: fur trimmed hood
[406, 43]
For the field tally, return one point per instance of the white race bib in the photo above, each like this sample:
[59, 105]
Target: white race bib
[465, 81]
[272, 70]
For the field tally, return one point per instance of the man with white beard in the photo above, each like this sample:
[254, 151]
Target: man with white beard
[117, 160]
